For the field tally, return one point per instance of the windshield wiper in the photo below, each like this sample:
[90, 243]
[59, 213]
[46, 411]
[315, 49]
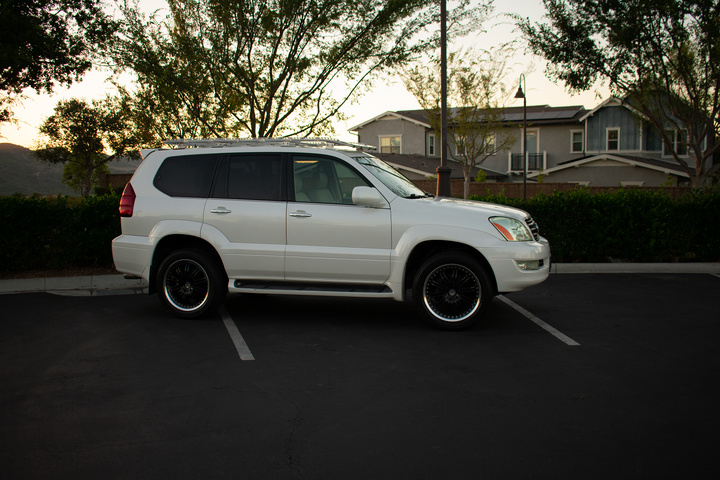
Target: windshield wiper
[412, 195]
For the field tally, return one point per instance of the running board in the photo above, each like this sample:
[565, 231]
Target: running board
[288, 288]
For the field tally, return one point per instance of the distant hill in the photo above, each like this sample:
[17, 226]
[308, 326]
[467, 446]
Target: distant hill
[21, 172]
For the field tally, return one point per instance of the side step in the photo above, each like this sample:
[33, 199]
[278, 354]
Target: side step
[289, 287]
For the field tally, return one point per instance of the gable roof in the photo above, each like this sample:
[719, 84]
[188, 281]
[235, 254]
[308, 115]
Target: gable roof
[416, 119]
[537, 114]
[428, 166]
[649, 163]
[612, 102]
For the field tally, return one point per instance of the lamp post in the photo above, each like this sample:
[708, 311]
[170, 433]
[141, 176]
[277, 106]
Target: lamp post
[443, 171]
[521, 94]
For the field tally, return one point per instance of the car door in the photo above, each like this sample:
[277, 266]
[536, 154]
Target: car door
[246, 216]
[330, 239]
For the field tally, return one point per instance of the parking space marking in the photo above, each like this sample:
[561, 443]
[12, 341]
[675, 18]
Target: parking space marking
[716, 274]
[559, 335]
[240, 345]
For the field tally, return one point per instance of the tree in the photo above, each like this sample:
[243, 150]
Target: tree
[660, 56]
[85, 138]
[45, 42]
[266, 68]
[477, 93]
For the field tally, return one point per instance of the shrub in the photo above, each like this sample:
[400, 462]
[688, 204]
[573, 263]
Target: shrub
[57, 232]
[627, 224]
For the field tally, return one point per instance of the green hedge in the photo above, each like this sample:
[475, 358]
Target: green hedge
[57, 233]
[627, 224]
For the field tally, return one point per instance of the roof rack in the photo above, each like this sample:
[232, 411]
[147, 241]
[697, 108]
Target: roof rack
[327, 143]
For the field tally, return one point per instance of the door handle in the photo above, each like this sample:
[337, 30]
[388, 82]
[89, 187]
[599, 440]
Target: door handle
[220, 210]
[300, 214]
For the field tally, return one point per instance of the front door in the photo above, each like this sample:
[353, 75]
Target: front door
[330, 239]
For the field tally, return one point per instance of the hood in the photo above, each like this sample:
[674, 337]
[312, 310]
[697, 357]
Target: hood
[470, 206]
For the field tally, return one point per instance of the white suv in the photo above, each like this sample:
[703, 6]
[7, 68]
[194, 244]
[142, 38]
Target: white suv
[307, 217]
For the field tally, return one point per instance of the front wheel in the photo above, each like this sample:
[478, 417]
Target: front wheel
[452, 290]
[191, 283]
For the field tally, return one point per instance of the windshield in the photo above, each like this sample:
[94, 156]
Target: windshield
[391, 178]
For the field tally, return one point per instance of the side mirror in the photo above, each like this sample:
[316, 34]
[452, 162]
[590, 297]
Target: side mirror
[368, 197]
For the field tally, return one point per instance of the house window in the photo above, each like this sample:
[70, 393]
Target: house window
[490, 144]
[460, 147]
[576, 141]
[613, 139]
[677, 142]
[390, 144]
[431, 145]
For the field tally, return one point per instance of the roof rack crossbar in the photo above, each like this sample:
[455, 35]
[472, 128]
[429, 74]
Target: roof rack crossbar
[328, 143]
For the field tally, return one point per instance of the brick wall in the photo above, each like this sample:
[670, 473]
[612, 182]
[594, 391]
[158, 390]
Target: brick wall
[515, 190]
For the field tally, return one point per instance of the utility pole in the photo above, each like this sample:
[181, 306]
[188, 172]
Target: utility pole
[521, 94]
[443, 171]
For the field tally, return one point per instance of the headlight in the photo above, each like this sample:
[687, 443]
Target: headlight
[512, 229]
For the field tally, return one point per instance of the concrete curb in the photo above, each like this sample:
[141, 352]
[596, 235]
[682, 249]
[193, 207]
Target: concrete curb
[83, 285]
[711, 268]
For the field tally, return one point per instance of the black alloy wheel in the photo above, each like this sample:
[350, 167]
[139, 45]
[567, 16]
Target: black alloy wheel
[452, 290]
[190, 283]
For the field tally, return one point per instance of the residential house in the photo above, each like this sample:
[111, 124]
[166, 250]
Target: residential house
[406, 140]
[620, 148]
[610, 145]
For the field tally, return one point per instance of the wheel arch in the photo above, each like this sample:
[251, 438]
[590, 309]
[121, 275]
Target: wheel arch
[171, 243]
[427, 249]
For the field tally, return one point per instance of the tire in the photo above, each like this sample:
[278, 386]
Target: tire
[191, 283]
[452, 290]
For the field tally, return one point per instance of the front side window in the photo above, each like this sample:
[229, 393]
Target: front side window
[186, 175]
[613, 139]
[324, 180]
[390, 145]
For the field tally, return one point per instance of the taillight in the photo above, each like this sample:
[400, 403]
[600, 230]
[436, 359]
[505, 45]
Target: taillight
[127, 201]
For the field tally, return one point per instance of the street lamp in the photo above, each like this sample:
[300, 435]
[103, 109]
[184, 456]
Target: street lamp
[520, 94]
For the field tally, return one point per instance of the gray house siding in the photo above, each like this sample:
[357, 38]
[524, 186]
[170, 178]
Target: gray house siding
[412, 135]
[613, 117]
[652, 141]
[610, 175]
[555, 141]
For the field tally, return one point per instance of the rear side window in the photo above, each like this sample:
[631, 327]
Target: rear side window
[187, 175]
[250, 177]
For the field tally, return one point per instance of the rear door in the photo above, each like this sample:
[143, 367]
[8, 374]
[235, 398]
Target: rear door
[246, 216]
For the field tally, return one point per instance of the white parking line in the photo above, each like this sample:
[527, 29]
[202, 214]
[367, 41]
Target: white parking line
[561, 336]
[238, 340]
[716, 274]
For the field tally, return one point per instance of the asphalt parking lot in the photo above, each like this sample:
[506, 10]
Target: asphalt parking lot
[114, 387]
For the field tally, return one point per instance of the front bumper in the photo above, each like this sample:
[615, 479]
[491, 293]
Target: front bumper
[504, 262]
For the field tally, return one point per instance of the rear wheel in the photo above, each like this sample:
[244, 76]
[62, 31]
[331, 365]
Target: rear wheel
[452, 290]
[191, 283]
